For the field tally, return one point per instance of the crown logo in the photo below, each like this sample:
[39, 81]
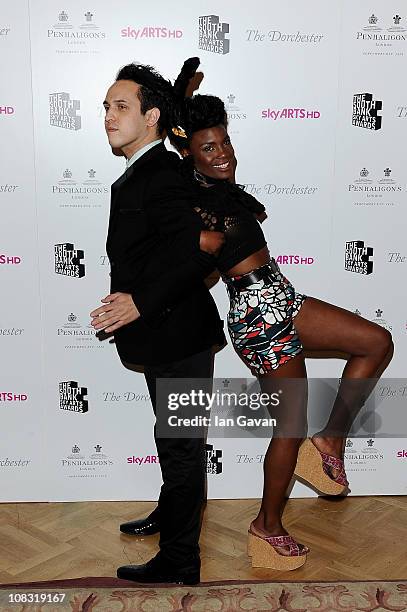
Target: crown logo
[226, 382]
[396, 19]
[75, 449]
[91, 173]
[370, 442]
[98, 448]
[357, 312]
[387, 172]
[364, 172]
[379, 313]
[88, 16]
[72, 318]
[349, 443]
[373, 19]
[67, 174]
[63, 16]
[231, 98]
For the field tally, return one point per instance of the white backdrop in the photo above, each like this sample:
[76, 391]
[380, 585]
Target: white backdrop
[288, 73]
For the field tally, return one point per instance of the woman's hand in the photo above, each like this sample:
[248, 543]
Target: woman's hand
[211, 242]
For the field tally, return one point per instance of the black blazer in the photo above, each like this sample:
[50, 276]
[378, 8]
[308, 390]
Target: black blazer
[153, 248]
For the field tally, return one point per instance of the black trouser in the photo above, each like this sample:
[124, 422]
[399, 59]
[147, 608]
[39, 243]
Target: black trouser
[182, 462]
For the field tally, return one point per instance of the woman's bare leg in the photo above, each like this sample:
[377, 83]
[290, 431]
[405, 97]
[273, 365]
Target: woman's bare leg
[322, 326]
[281, 456]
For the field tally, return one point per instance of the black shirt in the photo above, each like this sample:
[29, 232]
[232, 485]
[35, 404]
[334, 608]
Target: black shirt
[225, 207]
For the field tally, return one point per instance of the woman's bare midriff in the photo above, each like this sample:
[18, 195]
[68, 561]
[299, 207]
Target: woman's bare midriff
[258, 259]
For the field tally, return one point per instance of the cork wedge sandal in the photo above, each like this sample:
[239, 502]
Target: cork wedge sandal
[264, 554]
[314, 467]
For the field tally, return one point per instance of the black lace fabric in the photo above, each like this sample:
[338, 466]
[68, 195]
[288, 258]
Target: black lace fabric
[227, 208]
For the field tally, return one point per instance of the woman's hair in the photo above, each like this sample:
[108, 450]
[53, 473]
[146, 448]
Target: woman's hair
[198, 112]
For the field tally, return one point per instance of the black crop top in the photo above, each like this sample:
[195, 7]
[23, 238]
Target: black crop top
[225, 207]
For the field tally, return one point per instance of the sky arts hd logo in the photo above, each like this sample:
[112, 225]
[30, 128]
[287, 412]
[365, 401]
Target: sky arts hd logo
[62, 111]
[290, 113]
[6, 110]
[365, 112]
[144, 32]
[357, 257]
[72, 397]
[212, 35]
[67, 260]
[9, 260]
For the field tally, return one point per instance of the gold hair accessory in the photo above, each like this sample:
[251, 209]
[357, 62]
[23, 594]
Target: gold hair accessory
[178, 131]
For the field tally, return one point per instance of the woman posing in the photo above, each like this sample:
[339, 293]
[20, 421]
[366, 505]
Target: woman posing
[270, 326]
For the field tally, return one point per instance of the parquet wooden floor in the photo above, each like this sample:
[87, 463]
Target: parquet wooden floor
[350, 539]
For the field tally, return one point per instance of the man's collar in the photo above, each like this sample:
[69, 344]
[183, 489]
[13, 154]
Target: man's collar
[141, 152]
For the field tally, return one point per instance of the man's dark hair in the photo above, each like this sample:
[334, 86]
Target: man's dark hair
[154, 91]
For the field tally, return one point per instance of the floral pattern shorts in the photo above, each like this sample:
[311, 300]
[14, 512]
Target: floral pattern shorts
[260, 322]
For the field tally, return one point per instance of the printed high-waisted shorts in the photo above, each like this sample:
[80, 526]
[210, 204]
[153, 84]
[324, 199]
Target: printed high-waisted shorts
[260, 321]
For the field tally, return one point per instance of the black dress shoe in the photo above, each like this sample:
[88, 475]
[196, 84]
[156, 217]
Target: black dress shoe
[154, 572]
[142, 527]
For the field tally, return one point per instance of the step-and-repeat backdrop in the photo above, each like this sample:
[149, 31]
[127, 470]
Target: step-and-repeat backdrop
[317, 104]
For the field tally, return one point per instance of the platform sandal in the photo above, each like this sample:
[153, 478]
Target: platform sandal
[262, 550]
[315, 467]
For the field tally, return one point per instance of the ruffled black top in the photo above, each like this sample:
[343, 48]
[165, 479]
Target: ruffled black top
[226, 207]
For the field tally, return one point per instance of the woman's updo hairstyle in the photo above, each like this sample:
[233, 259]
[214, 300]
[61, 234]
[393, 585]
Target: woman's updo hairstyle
[195, 113]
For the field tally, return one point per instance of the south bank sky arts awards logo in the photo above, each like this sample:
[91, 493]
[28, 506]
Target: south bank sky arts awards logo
[72, 397]
[67, 260]
[365, 112]
[212, 35]
[358, 257]
[213, 460]
[63, 111]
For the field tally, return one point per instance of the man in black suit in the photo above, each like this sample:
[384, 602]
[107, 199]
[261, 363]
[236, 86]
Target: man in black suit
[159, 308]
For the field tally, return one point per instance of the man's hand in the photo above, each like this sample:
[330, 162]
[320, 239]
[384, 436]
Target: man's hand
[211, 242]
[119, 310]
